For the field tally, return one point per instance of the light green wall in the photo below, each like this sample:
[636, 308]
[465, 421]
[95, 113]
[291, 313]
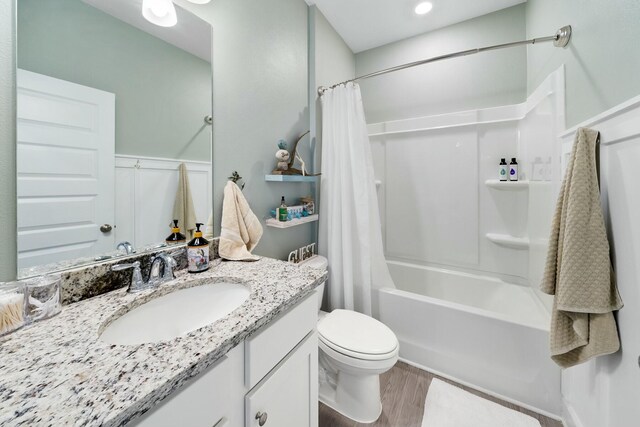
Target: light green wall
[162, 92]
[260, 96]
[479, 81]
[603, 59]
[335, 62]
[8, 248]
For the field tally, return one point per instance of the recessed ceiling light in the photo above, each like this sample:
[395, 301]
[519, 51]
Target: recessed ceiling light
[423, 8]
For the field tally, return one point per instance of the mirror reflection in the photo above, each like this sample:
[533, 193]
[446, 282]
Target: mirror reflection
[114, 130]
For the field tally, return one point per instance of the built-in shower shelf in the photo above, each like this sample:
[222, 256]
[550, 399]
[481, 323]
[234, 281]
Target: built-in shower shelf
[507, 185]
[290, 178]
[509, 241]
[272, 222]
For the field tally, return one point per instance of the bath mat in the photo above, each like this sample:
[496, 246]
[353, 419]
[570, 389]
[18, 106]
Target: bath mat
[450, 406]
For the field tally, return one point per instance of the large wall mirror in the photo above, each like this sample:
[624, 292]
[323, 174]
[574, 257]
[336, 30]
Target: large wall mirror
[109, 107]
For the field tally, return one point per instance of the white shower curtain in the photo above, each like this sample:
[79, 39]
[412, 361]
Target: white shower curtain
[350, 233]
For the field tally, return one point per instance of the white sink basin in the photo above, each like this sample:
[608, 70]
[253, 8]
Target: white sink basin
[175, 314]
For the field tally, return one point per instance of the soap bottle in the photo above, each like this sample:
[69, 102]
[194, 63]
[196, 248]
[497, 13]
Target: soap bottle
[513, 170]
[198, 252]
[176, 236]
[503, 170]
[283, 212]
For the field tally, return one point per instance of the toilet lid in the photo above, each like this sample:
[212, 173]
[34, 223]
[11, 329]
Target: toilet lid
[348, 332]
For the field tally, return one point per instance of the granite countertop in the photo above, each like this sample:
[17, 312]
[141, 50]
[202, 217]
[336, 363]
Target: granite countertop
[58, 373]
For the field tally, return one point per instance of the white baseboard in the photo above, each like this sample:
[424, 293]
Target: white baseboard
[489, 392]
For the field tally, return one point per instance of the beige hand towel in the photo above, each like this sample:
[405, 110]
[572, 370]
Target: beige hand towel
[208, 231]
[578, 270]
[183, 209]
[241, 230]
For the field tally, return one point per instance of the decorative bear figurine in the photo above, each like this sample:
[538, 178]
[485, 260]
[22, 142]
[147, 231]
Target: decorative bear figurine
[283, 156]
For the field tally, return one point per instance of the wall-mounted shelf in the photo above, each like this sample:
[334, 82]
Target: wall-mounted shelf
[290, 178]
[272, 222]
[507, 185]
[508, 241]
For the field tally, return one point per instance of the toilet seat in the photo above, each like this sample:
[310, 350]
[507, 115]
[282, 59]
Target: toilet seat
[357, 336]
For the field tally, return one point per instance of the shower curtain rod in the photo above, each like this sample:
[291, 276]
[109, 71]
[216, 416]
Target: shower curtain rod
[560, 39]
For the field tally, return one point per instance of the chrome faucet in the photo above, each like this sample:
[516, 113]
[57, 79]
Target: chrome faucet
[168, 264]
[126, 246]
[155, 277]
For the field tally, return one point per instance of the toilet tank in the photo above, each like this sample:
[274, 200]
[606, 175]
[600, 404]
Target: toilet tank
[320, 263]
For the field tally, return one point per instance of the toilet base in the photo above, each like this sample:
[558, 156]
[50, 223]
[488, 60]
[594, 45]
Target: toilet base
[356, 396]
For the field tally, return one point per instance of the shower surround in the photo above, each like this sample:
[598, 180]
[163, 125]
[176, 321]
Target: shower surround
[467, 253]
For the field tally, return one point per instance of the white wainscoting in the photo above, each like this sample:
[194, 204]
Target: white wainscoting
[604, 391]
[145, 192]
[435, 207]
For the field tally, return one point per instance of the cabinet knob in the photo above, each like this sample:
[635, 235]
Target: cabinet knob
[105, 228]
[262, 418]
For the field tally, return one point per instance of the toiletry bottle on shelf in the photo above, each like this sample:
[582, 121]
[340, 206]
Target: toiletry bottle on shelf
[283, 212]
[198, 252]
[176, 236]
[503, 170]
[513, 170]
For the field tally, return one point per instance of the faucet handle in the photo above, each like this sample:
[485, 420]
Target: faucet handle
[136, 278]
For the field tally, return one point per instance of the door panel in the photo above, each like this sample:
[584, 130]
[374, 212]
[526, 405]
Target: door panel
[65, 163]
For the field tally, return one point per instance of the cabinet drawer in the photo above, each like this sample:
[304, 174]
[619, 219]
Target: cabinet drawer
[264, 350]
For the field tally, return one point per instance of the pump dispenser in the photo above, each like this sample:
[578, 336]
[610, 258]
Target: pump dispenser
[176, 236]
[198, 252]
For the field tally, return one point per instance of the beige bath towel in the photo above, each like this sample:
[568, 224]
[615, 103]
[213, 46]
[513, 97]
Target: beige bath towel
[578, 270]
[183, 209]
[241, 230]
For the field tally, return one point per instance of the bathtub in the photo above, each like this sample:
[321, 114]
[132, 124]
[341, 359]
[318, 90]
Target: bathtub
[477, 330]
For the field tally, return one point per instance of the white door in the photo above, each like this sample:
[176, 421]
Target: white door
[65, 165]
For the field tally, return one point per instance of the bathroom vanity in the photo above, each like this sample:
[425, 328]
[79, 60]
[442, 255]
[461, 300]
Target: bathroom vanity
[256, 366]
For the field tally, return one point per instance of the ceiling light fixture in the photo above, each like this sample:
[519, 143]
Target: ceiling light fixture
[423, 8]
[163, 12]
[160, 12]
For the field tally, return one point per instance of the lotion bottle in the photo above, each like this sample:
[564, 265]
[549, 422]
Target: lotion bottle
[503, 170]
[283, 212]
[176, 236]
[198, 252]
[513, 170]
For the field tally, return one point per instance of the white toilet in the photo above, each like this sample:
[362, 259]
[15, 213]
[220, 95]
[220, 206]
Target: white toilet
[354, 350]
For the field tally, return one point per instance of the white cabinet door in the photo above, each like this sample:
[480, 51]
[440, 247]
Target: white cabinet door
[65, 168]
[211, 399]
[288, 396]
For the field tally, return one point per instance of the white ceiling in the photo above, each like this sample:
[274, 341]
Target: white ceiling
[191, 33]
[365, 24]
